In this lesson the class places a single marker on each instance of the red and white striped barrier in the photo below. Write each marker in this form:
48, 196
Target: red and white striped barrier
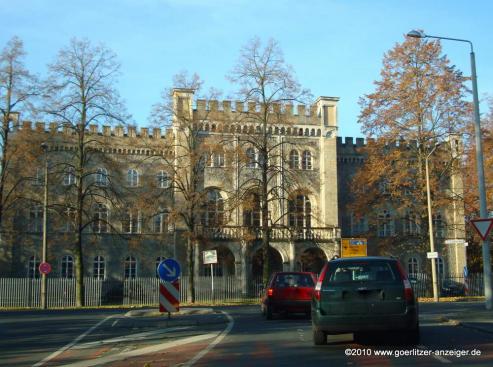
169, 296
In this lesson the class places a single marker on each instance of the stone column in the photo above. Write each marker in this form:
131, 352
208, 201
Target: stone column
242, 266
292, 256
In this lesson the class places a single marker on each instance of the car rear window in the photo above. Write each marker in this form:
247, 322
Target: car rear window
293, 280
362, 271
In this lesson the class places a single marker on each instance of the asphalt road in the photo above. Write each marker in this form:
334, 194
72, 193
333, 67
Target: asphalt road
233, 336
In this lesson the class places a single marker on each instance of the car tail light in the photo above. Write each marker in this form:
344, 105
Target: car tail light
270, 292
408, 290
318, 286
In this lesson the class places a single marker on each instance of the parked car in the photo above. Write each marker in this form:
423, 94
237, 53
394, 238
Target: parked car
362, 295
452, 288
288, 292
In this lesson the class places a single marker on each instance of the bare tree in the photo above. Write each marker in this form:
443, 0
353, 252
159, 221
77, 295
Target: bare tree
80, 92
185, 158
18, 87
269, 86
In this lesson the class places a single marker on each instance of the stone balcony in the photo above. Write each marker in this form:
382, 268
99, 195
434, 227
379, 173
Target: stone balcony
318, 234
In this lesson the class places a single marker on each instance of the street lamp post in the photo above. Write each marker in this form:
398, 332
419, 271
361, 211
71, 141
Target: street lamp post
430, 227
483, 209
45, 217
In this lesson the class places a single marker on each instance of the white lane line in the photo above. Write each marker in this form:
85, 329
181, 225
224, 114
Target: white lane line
71, 344
131, 337
114, 323
220, 337
138, 352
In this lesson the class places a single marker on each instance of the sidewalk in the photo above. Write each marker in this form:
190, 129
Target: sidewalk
471, 315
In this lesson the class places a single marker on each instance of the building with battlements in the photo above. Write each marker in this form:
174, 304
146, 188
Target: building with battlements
130, 232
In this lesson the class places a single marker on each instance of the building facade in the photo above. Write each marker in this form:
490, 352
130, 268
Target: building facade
131, 222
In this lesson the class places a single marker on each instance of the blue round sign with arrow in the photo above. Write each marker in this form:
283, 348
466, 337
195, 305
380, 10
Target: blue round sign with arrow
169, 270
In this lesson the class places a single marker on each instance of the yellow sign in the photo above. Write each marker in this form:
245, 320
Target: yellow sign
352, 247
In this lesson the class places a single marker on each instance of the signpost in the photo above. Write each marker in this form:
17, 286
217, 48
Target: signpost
169, 290
353, 247
210, 257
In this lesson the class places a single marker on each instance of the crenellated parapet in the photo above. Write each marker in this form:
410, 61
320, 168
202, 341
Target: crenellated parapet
128, 140
246, 117
93, 129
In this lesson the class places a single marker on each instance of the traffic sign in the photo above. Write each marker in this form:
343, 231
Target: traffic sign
353, 247
210, 257
482, 226
169, 270
45, 268
432, 255
455, 241
169, 296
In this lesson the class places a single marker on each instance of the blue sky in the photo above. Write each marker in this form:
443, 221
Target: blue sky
335, 46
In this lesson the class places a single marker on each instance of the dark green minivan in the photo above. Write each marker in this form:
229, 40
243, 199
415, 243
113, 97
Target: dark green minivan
364, 294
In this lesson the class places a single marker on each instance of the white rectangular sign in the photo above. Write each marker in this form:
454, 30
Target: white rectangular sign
432, 255
455, 241
210, 257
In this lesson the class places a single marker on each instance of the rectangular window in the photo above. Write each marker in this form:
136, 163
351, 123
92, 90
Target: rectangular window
38, 177
131, 222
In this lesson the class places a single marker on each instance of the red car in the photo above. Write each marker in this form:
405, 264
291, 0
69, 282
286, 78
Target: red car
288, 292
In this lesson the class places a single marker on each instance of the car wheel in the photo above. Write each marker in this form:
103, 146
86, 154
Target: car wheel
268, 312
319, 337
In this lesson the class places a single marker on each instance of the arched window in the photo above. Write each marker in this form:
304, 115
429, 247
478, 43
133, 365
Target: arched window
385, 224
130, 267
412, 266
35, 218
214, 211
294, 159
69, 176
102, 177
131, 221
67, 269
251, 211
163, 180
299, 212
100, 219
158, 261
438, 226
99, 267
251, 161
132, 178
306, 162
32, 267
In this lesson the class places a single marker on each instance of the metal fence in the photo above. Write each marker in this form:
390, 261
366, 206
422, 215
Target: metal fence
25, 292
449, 286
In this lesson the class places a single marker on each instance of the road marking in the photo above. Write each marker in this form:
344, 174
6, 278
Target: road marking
138, 352
220, 337
131, 337
72, 343
114, 323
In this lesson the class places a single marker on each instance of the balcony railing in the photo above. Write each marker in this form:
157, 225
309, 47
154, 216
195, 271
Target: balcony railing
276, 233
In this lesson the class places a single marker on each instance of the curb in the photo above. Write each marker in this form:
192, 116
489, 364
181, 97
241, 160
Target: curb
156, 313
466, 325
